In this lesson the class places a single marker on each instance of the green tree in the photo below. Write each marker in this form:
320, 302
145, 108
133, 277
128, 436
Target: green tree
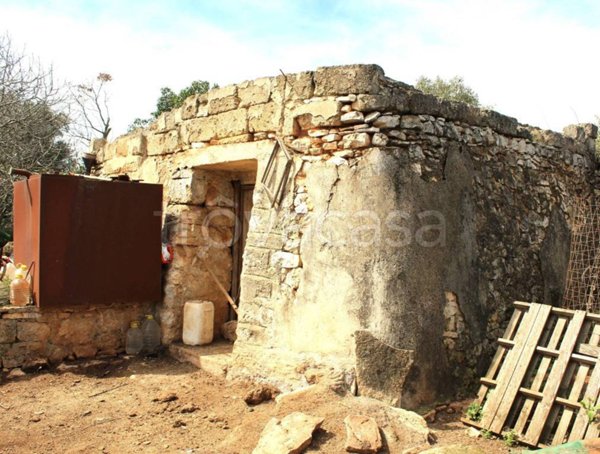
32, 126
452, 89
169, 100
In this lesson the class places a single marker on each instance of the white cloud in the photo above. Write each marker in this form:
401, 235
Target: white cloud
527, 61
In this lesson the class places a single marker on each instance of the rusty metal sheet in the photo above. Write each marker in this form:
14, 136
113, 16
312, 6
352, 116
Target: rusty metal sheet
99, 242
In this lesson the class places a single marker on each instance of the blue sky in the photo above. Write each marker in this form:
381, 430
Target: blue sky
536, 60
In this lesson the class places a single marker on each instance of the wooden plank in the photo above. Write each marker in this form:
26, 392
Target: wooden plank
534, 431
497, 359
590, 350
581, 421
517, 364
561, 322
570, 403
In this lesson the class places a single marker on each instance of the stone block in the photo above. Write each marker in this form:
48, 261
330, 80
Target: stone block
256, 287
225, 104
343, 80
200, 129
23, 354
256, 261
33, 331
255, 92
285, 259
356, 140
387, 121
290, 435
371, 103
164, 143
233, 123
189, 109
8, 331
316, 114
381, 370
190, 189
264, 117
299, 86
362, 435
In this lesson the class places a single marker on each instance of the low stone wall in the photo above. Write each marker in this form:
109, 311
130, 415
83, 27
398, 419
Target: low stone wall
407, 227
31, 337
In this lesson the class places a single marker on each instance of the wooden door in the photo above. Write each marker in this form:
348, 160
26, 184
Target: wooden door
243, 208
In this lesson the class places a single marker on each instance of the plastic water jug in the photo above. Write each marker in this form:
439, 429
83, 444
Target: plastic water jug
19, 287
134, 342
151, 333
198, 322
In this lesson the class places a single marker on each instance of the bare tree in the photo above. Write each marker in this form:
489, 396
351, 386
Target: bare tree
91, 116
32, 123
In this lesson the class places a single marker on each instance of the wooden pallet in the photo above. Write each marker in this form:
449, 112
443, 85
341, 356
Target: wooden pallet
547, 362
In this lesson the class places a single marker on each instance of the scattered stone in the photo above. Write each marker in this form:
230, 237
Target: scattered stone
352, 117
290, 435
472, 432
189, 408
164, 398
362, 435
35, 419
261, 393
430, 416
229, 329
86, 413
179, 423
16, 373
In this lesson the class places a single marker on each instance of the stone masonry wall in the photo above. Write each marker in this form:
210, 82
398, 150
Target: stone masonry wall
30, 337
407, 228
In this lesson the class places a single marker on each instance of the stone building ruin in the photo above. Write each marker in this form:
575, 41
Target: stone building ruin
368, 231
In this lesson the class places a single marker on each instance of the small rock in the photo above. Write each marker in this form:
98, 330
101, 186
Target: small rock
372, 117
347, 98
189, 408
362, 435
430, 416
260, 393
379, 139
473, 432
331, 138
387, 121
302, 144
352, 117
179, 423
35, 419
16, 373
356, 140
86, 413
229, 329
164, 398
290, 435
318, 132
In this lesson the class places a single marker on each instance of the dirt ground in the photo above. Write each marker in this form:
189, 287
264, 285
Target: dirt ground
123, 405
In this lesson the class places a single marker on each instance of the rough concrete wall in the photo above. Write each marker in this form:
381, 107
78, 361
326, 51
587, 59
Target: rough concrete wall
31, 337
408, 226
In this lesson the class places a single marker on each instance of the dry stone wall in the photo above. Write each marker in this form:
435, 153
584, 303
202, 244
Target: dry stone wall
30, 337
407, 227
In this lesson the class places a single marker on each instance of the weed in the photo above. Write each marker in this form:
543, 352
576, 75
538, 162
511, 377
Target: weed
591, 410
474, 411
510, 438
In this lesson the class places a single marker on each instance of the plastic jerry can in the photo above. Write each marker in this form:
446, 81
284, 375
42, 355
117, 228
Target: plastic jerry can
151, 333
19, 287
134, 342
198, 322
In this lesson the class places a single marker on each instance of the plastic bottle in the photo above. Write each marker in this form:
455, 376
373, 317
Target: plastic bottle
134, 342
151, 332
198, 322
19, 287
